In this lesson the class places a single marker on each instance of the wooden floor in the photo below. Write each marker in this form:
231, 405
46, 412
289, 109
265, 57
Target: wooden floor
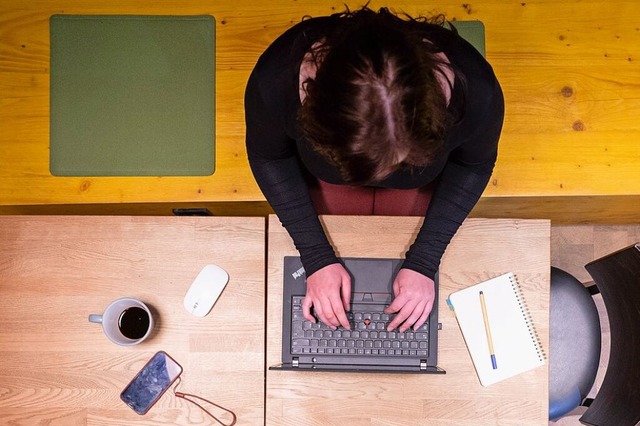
571, 248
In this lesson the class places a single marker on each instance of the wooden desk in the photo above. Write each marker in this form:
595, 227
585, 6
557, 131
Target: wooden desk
482, 249
569, 71
57, 368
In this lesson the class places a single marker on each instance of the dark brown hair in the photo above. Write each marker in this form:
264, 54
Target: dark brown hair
375, 103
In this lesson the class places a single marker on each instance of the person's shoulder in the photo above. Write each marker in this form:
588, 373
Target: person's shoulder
477, 77
274, 79
299, 36
283, 56
460, 51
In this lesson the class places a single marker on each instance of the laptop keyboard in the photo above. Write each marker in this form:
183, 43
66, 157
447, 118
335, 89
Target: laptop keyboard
368, 335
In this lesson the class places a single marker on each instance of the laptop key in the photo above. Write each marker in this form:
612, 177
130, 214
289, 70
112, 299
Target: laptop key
367, 336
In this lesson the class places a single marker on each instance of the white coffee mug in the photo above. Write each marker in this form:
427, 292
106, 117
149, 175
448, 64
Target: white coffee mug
126, 321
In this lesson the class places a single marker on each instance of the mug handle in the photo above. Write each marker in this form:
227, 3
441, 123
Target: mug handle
95, 318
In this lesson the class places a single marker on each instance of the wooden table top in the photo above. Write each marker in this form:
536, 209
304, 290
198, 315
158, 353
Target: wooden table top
569, 72
483, 248
57, 368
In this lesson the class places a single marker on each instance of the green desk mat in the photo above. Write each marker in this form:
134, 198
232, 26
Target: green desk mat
132, 95
471, 31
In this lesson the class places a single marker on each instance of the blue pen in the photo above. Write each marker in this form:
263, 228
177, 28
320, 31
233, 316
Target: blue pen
488, 330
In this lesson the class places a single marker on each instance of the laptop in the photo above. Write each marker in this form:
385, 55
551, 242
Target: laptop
368, 346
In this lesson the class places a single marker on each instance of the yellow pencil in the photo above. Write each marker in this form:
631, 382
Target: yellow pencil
488, 330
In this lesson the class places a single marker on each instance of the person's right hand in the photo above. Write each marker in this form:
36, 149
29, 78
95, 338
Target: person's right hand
329, 292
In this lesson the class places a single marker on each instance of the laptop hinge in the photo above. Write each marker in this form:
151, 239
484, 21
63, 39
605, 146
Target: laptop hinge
423, 364
295, 362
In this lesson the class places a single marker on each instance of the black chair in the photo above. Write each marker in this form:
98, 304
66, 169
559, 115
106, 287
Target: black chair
574, 336
617, 402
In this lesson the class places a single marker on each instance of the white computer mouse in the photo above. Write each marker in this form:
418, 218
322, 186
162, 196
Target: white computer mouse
205, 290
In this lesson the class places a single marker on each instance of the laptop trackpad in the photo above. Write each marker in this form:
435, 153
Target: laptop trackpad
372, 280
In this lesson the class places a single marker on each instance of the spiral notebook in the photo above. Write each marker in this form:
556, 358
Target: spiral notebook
516, 347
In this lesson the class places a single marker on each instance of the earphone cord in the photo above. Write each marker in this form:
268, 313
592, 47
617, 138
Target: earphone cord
186, 397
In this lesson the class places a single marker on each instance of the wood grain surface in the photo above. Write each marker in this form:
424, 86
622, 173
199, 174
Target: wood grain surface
57, 368
568, 70
483, 248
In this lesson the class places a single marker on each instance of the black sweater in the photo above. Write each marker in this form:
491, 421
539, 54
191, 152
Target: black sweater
279, 154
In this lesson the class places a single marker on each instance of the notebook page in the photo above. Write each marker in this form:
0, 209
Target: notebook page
515, 344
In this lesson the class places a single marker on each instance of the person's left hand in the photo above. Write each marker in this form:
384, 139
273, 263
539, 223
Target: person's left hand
414, 296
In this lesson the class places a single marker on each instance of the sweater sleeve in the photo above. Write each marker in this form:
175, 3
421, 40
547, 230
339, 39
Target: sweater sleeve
279, 175
460, 186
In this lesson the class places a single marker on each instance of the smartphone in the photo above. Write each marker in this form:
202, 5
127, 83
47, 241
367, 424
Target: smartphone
151, 382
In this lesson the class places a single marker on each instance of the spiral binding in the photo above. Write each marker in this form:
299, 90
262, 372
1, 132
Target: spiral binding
527, 317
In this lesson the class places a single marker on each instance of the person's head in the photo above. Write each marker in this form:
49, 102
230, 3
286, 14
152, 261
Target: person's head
375, 104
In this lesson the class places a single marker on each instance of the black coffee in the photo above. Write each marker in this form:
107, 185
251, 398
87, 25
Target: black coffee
134, 322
